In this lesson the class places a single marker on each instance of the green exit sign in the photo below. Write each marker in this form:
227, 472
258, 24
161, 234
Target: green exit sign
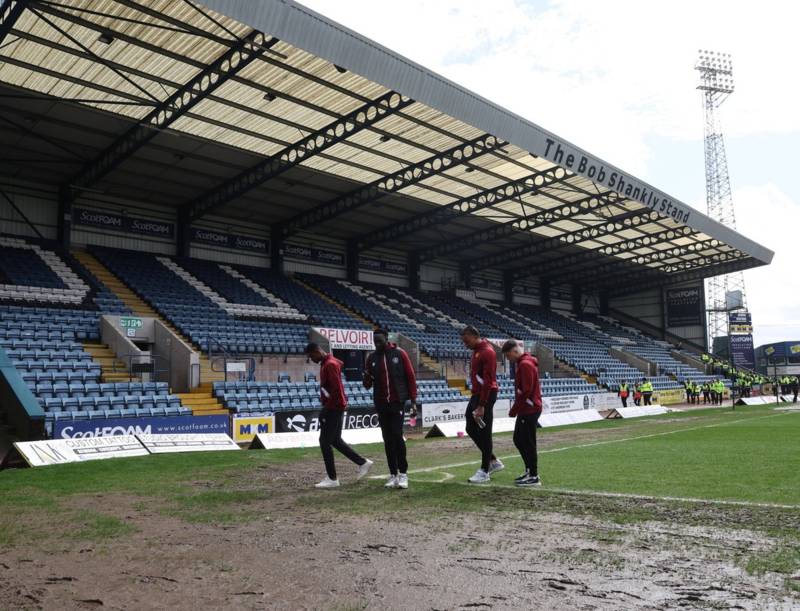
127, 322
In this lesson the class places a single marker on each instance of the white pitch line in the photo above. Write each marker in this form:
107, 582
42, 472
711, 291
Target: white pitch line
626, 495
598, 443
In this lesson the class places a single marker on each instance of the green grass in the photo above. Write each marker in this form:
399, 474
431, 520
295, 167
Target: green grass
748, 455
98, 527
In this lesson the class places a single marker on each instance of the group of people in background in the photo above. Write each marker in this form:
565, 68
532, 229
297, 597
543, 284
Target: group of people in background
640, 392
389, 373
711, 393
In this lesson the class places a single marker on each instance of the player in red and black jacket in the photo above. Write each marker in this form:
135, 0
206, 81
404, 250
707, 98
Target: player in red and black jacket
334, 403
479, 415
389, 373
527, 408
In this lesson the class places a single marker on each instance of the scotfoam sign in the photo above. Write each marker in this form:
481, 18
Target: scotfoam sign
109, 427
63, 451
117, 222
347, 339
228, 240
627, 186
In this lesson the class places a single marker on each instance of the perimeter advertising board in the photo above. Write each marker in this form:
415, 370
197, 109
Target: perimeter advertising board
107, 427
300, 421
245, 428
62, 451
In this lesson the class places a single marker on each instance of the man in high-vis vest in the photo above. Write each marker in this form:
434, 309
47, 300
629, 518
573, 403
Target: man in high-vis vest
706, 392
647, 391
719, 391
623, 393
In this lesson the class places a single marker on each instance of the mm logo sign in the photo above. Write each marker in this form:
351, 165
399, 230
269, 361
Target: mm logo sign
245, 429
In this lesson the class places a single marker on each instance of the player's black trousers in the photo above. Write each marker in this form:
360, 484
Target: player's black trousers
391, 421
482, 436
330, 436
525, 440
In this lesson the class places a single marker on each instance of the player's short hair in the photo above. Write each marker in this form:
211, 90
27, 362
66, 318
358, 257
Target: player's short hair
470, 330
383, 332
311, 347
510, 345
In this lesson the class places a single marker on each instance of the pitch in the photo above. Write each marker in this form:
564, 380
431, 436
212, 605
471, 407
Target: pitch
697, 509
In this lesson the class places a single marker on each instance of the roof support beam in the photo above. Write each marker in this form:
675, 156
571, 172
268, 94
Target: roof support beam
338, 131
599, 275
629, 220
578, 260
465, 206
540, 219
10, 11
686, 274
674, 268
175, 106
409, 175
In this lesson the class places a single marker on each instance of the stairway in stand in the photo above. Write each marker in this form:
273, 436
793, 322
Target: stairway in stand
140, 308
202, 402
113, 369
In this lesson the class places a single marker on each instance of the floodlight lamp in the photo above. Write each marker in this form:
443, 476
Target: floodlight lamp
105, 38
269, 96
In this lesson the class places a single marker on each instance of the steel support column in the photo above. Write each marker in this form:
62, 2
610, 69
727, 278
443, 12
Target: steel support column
64, 221
508, 288
414, 270
276, 248
352, 260
465, 275
544, 293
577, 306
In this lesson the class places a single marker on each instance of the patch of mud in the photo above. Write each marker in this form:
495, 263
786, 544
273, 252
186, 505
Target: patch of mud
305, 556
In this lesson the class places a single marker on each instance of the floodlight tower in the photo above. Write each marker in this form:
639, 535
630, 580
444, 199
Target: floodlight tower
716, 84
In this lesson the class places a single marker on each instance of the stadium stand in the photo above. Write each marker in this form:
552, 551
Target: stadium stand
197, 312
46, 342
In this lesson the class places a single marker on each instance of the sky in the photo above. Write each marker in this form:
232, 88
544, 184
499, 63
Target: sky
616, 78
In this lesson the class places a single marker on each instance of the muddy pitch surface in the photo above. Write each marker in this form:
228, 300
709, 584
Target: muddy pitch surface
301, 549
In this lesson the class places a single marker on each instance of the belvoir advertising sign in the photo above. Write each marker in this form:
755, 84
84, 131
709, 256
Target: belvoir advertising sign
684, 306
347, 339
122, 223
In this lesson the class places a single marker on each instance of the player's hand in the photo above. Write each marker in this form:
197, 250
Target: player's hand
479, 411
